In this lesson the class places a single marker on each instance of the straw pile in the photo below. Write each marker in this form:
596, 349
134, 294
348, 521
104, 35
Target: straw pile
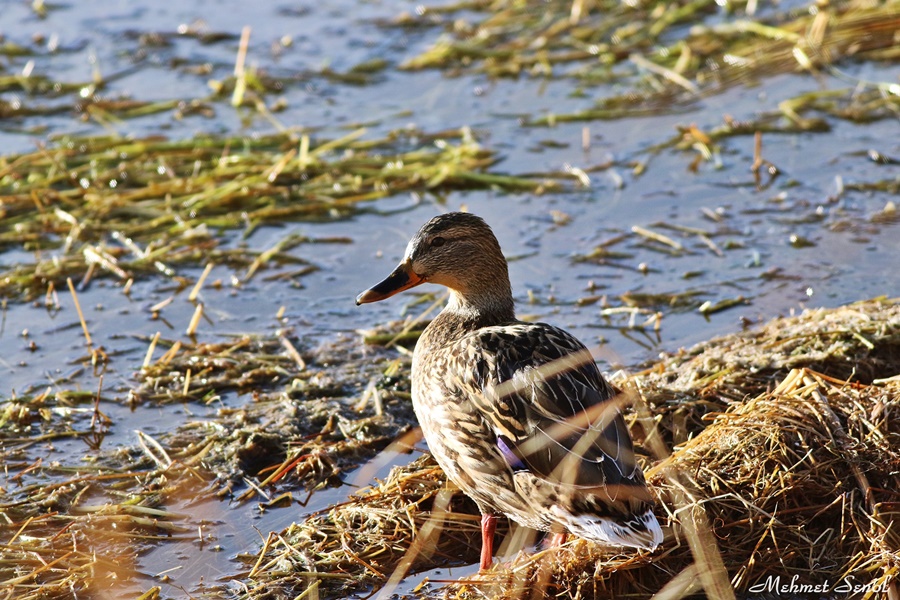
795, 480
408, 523
860, 342
802, 480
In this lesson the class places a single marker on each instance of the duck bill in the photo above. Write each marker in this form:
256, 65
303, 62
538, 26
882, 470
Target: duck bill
401, 279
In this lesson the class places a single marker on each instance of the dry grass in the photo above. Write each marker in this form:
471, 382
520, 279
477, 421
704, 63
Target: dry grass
860, 342
409, 522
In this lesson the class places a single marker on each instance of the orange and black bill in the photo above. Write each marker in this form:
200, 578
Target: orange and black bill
402, 278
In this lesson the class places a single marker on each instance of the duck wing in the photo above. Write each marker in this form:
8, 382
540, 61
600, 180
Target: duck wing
552, 412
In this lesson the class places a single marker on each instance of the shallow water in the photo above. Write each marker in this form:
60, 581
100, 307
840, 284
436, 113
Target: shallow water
851, 256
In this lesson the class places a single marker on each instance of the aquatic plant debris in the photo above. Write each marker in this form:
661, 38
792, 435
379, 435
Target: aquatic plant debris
82, 526
660, 67
646, 43
99, 206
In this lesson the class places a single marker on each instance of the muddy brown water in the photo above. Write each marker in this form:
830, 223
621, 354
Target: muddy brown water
850, 257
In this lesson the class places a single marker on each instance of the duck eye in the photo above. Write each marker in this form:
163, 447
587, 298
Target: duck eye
438, 242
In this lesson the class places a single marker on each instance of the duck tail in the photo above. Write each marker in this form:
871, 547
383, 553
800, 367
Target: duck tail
640, 530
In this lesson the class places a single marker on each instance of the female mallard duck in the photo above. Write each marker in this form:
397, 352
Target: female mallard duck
516, 414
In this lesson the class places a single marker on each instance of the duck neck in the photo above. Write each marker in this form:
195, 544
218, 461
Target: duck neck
491, 308
461, 317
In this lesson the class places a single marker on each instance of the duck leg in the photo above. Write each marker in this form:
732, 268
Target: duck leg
488, 527
558, 539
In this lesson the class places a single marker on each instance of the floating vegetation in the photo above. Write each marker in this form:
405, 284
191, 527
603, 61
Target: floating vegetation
128, 208
795, 474
314, 412
69, 528
685, 241
91, 547
51, 415
798, 114
202, 371
76, 528
540, 39
662, 68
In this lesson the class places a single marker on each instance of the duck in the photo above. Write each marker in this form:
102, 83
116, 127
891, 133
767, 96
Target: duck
517, 414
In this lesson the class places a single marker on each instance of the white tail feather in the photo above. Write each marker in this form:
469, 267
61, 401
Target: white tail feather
639, 531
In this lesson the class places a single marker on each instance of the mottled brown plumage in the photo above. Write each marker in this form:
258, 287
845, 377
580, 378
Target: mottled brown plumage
517, 414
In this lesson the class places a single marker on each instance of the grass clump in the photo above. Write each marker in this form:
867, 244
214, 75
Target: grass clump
404, 524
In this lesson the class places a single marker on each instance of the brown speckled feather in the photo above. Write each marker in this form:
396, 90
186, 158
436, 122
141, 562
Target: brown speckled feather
537, 409
535, 384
